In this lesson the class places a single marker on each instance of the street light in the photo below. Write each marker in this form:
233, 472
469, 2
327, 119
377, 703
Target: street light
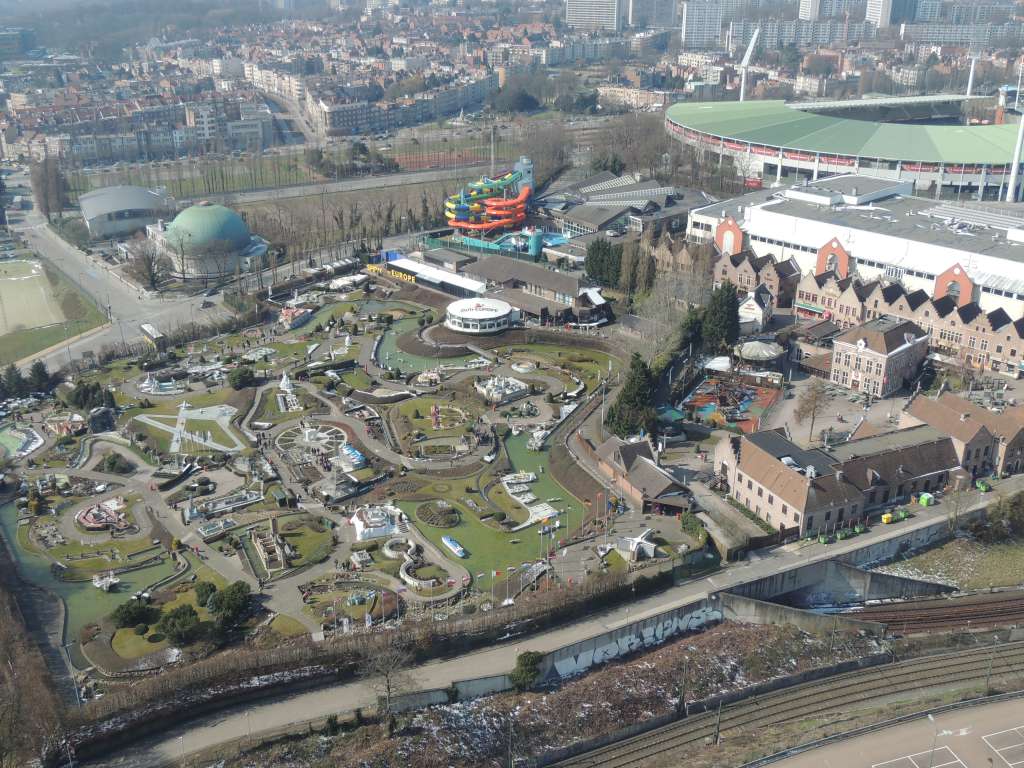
935, 739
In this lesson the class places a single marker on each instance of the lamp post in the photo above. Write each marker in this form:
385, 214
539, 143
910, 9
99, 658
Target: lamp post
935, 739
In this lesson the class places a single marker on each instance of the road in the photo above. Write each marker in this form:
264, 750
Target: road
990, 735
233, 723
126, 306
354, 185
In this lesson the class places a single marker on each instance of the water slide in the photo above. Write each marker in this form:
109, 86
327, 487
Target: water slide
485, 204
498, 213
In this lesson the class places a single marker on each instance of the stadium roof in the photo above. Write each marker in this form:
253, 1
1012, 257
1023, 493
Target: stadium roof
775, 124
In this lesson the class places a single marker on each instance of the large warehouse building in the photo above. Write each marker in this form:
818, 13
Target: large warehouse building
874, 228
779, 142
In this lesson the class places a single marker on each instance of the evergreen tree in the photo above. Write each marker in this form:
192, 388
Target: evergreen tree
721, 326
691, 331
634, 409
14, 383
39, 377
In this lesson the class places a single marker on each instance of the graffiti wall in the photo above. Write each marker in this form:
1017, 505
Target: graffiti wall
576, 659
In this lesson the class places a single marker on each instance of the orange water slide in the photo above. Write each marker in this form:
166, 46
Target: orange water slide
499, 213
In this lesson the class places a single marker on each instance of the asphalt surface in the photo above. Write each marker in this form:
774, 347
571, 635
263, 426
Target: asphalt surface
985, 736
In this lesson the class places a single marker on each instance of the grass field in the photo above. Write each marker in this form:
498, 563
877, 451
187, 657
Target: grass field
39, 306
967, 563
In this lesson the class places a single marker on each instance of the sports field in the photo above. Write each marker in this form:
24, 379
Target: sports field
27, 299
39, 307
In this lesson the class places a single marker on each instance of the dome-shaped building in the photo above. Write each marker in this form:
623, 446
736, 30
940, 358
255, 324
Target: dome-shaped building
209, 240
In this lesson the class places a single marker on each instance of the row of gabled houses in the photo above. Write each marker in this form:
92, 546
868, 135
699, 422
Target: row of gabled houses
958, 327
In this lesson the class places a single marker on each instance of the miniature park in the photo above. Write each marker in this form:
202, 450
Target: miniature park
349, 483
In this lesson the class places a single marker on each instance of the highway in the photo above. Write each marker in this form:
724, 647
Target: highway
230, 724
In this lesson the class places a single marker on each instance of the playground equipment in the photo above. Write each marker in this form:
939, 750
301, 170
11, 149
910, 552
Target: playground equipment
490, 204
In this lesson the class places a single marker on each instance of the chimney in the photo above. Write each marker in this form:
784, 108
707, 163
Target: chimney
839, 476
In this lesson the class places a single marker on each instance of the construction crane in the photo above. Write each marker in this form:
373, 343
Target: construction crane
745, 62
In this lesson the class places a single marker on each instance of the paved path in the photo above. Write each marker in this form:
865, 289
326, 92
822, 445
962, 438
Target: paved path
234, 723
985, 736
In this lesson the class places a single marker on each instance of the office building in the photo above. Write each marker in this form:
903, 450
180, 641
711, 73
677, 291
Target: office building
812, 10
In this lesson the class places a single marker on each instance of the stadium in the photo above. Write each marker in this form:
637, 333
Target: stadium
780, 142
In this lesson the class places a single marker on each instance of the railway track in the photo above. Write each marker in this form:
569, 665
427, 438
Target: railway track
814, 698
983, 610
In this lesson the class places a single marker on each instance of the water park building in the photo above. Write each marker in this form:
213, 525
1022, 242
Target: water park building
479, 316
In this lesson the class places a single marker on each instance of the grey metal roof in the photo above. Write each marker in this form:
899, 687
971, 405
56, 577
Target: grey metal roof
100, 202
887, 441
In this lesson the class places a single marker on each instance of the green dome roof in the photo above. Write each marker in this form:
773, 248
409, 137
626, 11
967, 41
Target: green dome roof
205, 227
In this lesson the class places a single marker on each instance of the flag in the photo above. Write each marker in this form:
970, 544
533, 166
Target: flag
494, 574
481, 575
369, 619
402, 589
511, 569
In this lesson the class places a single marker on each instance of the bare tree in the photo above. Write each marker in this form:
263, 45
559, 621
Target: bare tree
387, 669
148, 264
811, 403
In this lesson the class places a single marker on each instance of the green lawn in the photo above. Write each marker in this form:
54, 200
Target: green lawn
81, 315
268, 411
487, 549
129, 645
356, 378
286, 626
311, 545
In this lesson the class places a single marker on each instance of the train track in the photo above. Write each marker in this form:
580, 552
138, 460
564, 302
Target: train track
934, 614
810, 699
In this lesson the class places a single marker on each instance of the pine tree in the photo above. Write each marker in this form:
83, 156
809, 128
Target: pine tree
39, 377
721, 326
633, 410
13, 381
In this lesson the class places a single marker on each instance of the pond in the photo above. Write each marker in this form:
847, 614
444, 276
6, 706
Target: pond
390, 356
83, 602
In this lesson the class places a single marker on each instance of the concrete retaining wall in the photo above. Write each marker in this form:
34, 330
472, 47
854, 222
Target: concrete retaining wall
745, 609
482, 686
896, 547
575, 659
829, 582
417, 699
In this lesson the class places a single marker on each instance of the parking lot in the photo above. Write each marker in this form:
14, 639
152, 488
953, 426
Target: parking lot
987, 736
